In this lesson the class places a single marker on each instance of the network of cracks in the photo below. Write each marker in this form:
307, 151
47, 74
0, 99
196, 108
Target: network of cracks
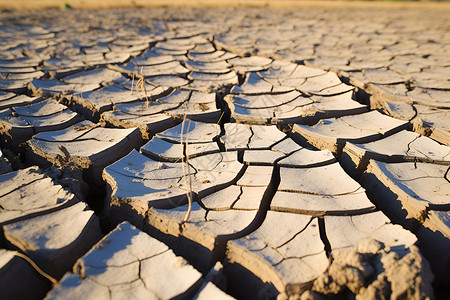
173, 163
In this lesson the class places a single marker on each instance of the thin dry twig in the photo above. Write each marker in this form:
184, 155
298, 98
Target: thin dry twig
141, 84
218, 121
185, 159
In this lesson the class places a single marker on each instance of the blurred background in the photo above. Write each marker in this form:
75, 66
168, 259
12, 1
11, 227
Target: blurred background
32, 4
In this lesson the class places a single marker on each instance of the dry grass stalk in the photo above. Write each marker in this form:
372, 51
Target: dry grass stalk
140, 84
188, 180
218, 121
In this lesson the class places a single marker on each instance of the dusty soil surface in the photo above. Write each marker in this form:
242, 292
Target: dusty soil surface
95, 4
208, 153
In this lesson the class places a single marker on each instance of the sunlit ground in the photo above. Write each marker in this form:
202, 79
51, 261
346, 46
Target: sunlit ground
21, 4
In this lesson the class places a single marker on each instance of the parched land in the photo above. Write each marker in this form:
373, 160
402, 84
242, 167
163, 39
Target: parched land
96, 4
216, 153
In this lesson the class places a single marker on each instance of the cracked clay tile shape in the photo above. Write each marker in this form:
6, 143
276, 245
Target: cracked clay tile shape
362, 128
128, 262
28, 193
56, 239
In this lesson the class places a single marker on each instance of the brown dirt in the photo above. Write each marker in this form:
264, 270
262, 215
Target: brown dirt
95, 4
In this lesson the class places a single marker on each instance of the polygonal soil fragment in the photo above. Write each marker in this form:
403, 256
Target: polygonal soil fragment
24, 121
209, 67
198, 107
290, 257
18, 82
385, 92
17, 100
425, 81
267, 109
149, 58
97, 76
418, 186
320, 205
286, 73
400, 147
167, 68
104, 99
254, 84
55, 240
399, 110
434, 120
180, 45
50, 87
290, 107
60, 67
417, 196
432, 98
129, 263
216, 56
251, 137
155, 116
303, 157
250, 64
86, 145
363, 128
425, 108
168, 81
335, 194
327, 84
334, 181
29, 193
268, 100
202, 81
382, 76
195, 139
348, 231
6, 95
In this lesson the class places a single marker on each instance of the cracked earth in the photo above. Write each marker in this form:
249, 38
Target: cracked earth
220, 153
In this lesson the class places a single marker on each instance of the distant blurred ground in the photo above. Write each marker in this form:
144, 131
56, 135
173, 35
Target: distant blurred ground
33, 4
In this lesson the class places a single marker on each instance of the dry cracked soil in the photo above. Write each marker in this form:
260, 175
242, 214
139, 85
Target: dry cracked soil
189, 153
